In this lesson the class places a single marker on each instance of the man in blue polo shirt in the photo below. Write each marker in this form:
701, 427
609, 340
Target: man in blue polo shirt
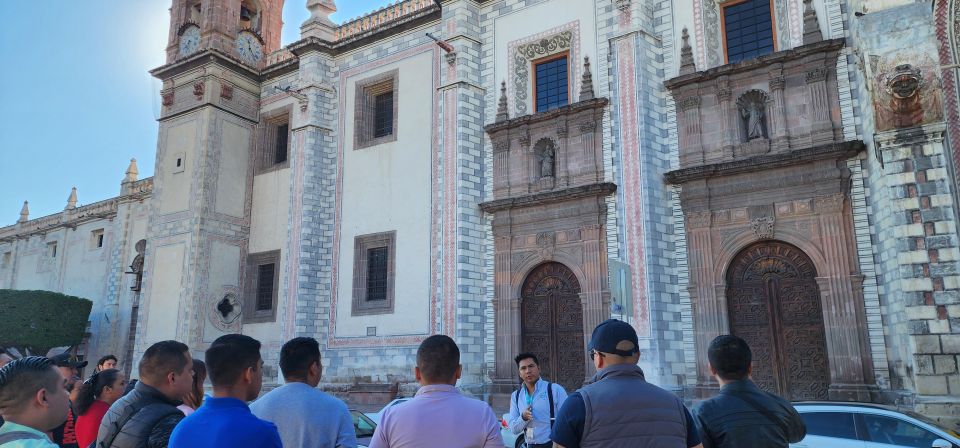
236, 371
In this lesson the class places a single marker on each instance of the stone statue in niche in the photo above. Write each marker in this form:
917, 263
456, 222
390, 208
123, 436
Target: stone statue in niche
752, 105
547, 158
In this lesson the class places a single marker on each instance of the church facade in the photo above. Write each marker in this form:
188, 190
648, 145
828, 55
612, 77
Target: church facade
511, 173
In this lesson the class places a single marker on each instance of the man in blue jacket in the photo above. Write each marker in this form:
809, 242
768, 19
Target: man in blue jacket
224, 421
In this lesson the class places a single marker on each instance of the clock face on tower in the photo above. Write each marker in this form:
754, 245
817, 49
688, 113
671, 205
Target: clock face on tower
189, 40
249, 47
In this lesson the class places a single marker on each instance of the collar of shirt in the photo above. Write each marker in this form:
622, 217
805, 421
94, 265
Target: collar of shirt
537, 387
9, 426
224, 402
739, 385
436, 389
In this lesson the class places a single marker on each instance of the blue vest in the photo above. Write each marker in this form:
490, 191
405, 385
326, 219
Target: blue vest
624, 410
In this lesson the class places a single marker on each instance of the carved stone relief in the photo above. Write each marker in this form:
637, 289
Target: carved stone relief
907, 90
763, 227
564, 38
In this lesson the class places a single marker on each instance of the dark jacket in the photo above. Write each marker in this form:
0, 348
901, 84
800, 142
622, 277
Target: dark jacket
727, 420
623, 410
144, 418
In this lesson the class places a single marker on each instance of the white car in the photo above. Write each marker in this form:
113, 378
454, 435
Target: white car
510, 440
859, 425
375, 416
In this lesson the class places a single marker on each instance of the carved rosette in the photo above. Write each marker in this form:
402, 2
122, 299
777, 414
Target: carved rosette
763, 227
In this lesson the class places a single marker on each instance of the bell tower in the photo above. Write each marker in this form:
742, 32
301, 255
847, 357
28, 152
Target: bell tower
199, 225
247, 30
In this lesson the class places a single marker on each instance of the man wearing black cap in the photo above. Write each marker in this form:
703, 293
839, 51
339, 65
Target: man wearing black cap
618, 408
65, 435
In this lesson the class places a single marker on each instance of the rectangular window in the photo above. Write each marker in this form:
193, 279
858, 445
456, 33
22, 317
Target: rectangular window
52, 249
261, 287
265, 274
373, 273
384, 121
551, 83
96, 239
281, 146
375, 113
748, 30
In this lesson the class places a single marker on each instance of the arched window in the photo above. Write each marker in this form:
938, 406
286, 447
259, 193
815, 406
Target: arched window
250, 16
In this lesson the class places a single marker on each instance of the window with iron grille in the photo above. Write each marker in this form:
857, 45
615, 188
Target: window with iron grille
552, 83
373, 273
748, 30
261, 287
375, 116
281, 146
384, 118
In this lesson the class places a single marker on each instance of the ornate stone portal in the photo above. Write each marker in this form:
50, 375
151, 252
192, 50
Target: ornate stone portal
549, 210
770, 241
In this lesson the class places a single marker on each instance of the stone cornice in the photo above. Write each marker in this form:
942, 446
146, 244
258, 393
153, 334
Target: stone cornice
204, 57
841, 150
570, 109
550, 197
824, 46
70, 219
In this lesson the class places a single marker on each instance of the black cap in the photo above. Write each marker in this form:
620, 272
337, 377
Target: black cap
615, 336
67, 360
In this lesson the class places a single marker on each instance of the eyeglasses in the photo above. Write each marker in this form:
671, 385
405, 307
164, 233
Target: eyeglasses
594, 352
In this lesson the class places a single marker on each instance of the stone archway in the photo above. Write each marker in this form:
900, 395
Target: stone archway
774, 303
551, 323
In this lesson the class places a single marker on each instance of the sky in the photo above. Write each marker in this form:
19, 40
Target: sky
77, 101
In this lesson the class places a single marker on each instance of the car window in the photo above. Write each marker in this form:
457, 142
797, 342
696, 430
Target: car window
363, 426
830, 424
893, 431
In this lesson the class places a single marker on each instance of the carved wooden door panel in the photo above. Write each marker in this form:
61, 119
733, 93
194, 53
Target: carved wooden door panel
774, 304
552, 324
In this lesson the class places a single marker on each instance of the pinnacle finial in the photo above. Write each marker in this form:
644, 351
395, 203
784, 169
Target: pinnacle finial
586, 83
502, 113
24, 212
72, 200
687, 65
811, 26
132, 172
319, 23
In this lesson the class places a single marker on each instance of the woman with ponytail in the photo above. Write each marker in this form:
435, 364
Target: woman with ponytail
96, 395
193, 400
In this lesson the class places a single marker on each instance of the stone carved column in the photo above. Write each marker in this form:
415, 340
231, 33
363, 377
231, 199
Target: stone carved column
841, 321
529, 169
506, 311
501, 167
562, 156
779, 133
592, 152
691, 146
729, 120
594, 296
821, 126
709, 314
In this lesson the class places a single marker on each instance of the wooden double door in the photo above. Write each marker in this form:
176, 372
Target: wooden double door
551, 317
774, 304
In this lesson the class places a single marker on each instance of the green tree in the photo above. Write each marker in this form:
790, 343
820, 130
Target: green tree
40, 320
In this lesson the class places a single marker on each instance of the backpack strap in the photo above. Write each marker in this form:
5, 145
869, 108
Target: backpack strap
13, 436
550, 395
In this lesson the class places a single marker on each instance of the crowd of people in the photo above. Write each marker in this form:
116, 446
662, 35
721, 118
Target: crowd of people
43, 406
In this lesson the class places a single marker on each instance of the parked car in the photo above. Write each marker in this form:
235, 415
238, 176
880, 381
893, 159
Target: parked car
860, 425
375, 416
364, 427
510, 440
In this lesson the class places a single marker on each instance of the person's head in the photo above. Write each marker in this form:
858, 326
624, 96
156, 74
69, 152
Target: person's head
235, 367
105, 385
300, 361
730, 358
70, 367
614, 342
107, 362
438, 361
529, 367
33, 392
167, 367
195, 398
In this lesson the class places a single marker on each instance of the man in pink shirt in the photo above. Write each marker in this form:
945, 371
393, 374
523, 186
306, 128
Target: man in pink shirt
438, 415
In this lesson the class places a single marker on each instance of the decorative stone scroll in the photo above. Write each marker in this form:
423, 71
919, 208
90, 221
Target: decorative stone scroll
763, 227
557, 40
